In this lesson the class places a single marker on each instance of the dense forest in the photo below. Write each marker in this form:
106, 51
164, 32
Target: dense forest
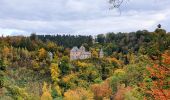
135, 66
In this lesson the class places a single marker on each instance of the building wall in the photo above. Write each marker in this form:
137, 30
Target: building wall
82, 54
79, 55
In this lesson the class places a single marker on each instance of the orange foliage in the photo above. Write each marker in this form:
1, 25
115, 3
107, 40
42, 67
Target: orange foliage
5, 51
69, 77
121, 92
166, 57
101, 90
46, 93
42, 53
159, 75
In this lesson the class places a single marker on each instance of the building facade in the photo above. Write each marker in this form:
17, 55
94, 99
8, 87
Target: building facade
101, 54
81, 53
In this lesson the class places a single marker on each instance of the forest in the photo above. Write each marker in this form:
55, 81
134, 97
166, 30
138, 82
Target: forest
135, 66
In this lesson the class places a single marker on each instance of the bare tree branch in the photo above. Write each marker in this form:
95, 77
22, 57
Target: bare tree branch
116, 3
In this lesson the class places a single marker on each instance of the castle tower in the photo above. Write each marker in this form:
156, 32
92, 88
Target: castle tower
74, 53
82, 49
101, 54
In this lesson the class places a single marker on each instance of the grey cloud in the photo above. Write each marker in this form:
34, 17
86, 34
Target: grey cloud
80, 16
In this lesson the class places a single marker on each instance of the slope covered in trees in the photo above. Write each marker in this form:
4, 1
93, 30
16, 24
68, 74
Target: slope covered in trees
135, 67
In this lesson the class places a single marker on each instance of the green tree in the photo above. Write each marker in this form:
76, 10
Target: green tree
64, 65
101, 38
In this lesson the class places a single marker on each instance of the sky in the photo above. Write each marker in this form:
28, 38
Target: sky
81, 17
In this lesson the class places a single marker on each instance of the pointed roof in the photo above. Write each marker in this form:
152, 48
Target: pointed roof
74, 49
101, 50
82, 48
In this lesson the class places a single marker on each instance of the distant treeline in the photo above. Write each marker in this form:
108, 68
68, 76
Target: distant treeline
133, 41
67, 41
110, 42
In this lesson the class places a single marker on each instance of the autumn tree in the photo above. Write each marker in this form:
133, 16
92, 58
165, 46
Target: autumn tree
51, 46
42, 53
2, 72
94, 53
46, 93
157, 83
78, 94
102, 90
5, 52
55, 72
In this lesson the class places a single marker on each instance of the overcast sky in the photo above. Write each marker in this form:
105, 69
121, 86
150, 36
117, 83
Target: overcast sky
85, 17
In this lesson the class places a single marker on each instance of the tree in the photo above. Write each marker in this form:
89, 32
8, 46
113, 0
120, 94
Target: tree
33, 36
42, 53
5, 51
101, 38
70, 81
46, 93
64, 65
121, 91
116, 3
160, 37
55, 72
102, 90
157, 83
51, 46
78, 94
94, 52
2, 71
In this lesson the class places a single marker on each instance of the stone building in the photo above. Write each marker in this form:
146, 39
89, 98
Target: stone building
101, 54
81, 53
50, 54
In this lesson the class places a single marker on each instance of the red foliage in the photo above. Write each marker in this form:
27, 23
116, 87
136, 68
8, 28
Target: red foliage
121, 92
159, 74
101, 90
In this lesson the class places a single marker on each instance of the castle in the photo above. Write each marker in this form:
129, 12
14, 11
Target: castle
81, 53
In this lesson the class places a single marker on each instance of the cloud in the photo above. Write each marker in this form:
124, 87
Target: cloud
87, 17
12, 32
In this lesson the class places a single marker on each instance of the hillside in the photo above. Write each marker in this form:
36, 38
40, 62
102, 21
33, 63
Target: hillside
135, 66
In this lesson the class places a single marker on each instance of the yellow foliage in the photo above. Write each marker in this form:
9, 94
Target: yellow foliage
5, 51
46, 93
83, 64
94, 53
51, 45
78, 94
55, 72
119, 71
114, 60
69, 77
35, 64
42, 53
58, 89
46, 96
